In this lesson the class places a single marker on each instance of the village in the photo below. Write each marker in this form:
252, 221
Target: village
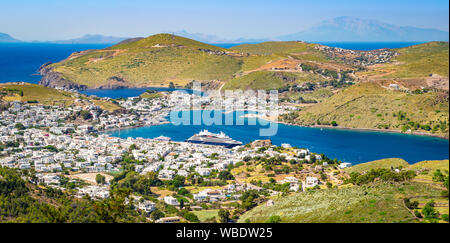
71, 153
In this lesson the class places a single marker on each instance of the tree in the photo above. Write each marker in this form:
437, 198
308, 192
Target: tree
132, 147
334, 123
438, 176
224, 215
100, 179
446, 182
274, 219
226, 175
428, 211
86, 115
178, 181
156, 214
51, 148
183, 191
248, 199
191, 217
411, 205
181, 204
19, 126
113, 209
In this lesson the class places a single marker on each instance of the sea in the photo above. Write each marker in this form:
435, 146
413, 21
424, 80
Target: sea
20, 61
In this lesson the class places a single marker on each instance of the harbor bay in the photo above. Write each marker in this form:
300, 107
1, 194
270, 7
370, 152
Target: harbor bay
346, 145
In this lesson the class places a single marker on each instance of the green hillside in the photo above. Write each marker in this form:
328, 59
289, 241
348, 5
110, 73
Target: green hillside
267, 80
422, 60
153, 61
369, 105
376, 202
163, 58
47, 96
400, 163
378, 164
268, 48
165, 39
432, 165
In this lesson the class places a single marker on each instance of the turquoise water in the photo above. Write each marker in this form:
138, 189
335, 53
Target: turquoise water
345, 145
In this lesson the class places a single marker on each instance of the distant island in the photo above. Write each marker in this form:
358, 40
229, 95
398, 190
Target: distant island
350, 29
5, 38
92, 39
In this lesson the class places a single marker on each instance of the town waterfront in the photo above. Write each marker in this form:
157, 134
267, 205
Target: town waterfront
346, 145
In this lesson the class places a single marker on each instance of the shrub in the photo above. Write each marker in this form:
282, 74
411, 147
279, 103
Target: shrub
428, 211
274, 219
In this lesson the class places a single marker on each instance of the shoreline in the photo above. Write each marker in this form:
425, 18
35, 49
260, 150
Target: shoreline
348, 128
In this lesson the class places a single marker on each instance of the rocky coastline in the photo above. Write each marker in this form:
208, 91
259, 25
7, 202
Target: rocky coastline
54, 79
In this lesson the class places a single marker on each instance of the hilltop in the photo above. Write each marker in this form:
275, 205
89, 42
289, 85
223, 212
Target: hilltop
153, 61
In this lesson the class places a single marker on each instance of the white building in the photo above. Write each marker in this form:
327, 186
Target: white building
171, 200
146, 206
310, 182
345, 165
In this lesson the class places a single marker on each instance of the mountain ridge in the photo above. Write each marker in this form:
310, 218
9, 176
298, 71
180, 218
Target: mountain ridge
342, 29
92, 39
5, 38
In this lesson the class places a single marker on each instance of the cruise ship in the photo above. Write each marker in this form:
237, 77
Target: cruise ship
206, 137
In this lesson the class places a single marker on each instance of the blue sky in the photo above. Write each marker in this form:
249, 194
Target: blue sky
63, 19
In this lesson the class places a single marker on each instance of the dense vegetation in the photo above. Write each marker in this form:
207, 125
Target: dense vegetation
21, 201
387, 190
